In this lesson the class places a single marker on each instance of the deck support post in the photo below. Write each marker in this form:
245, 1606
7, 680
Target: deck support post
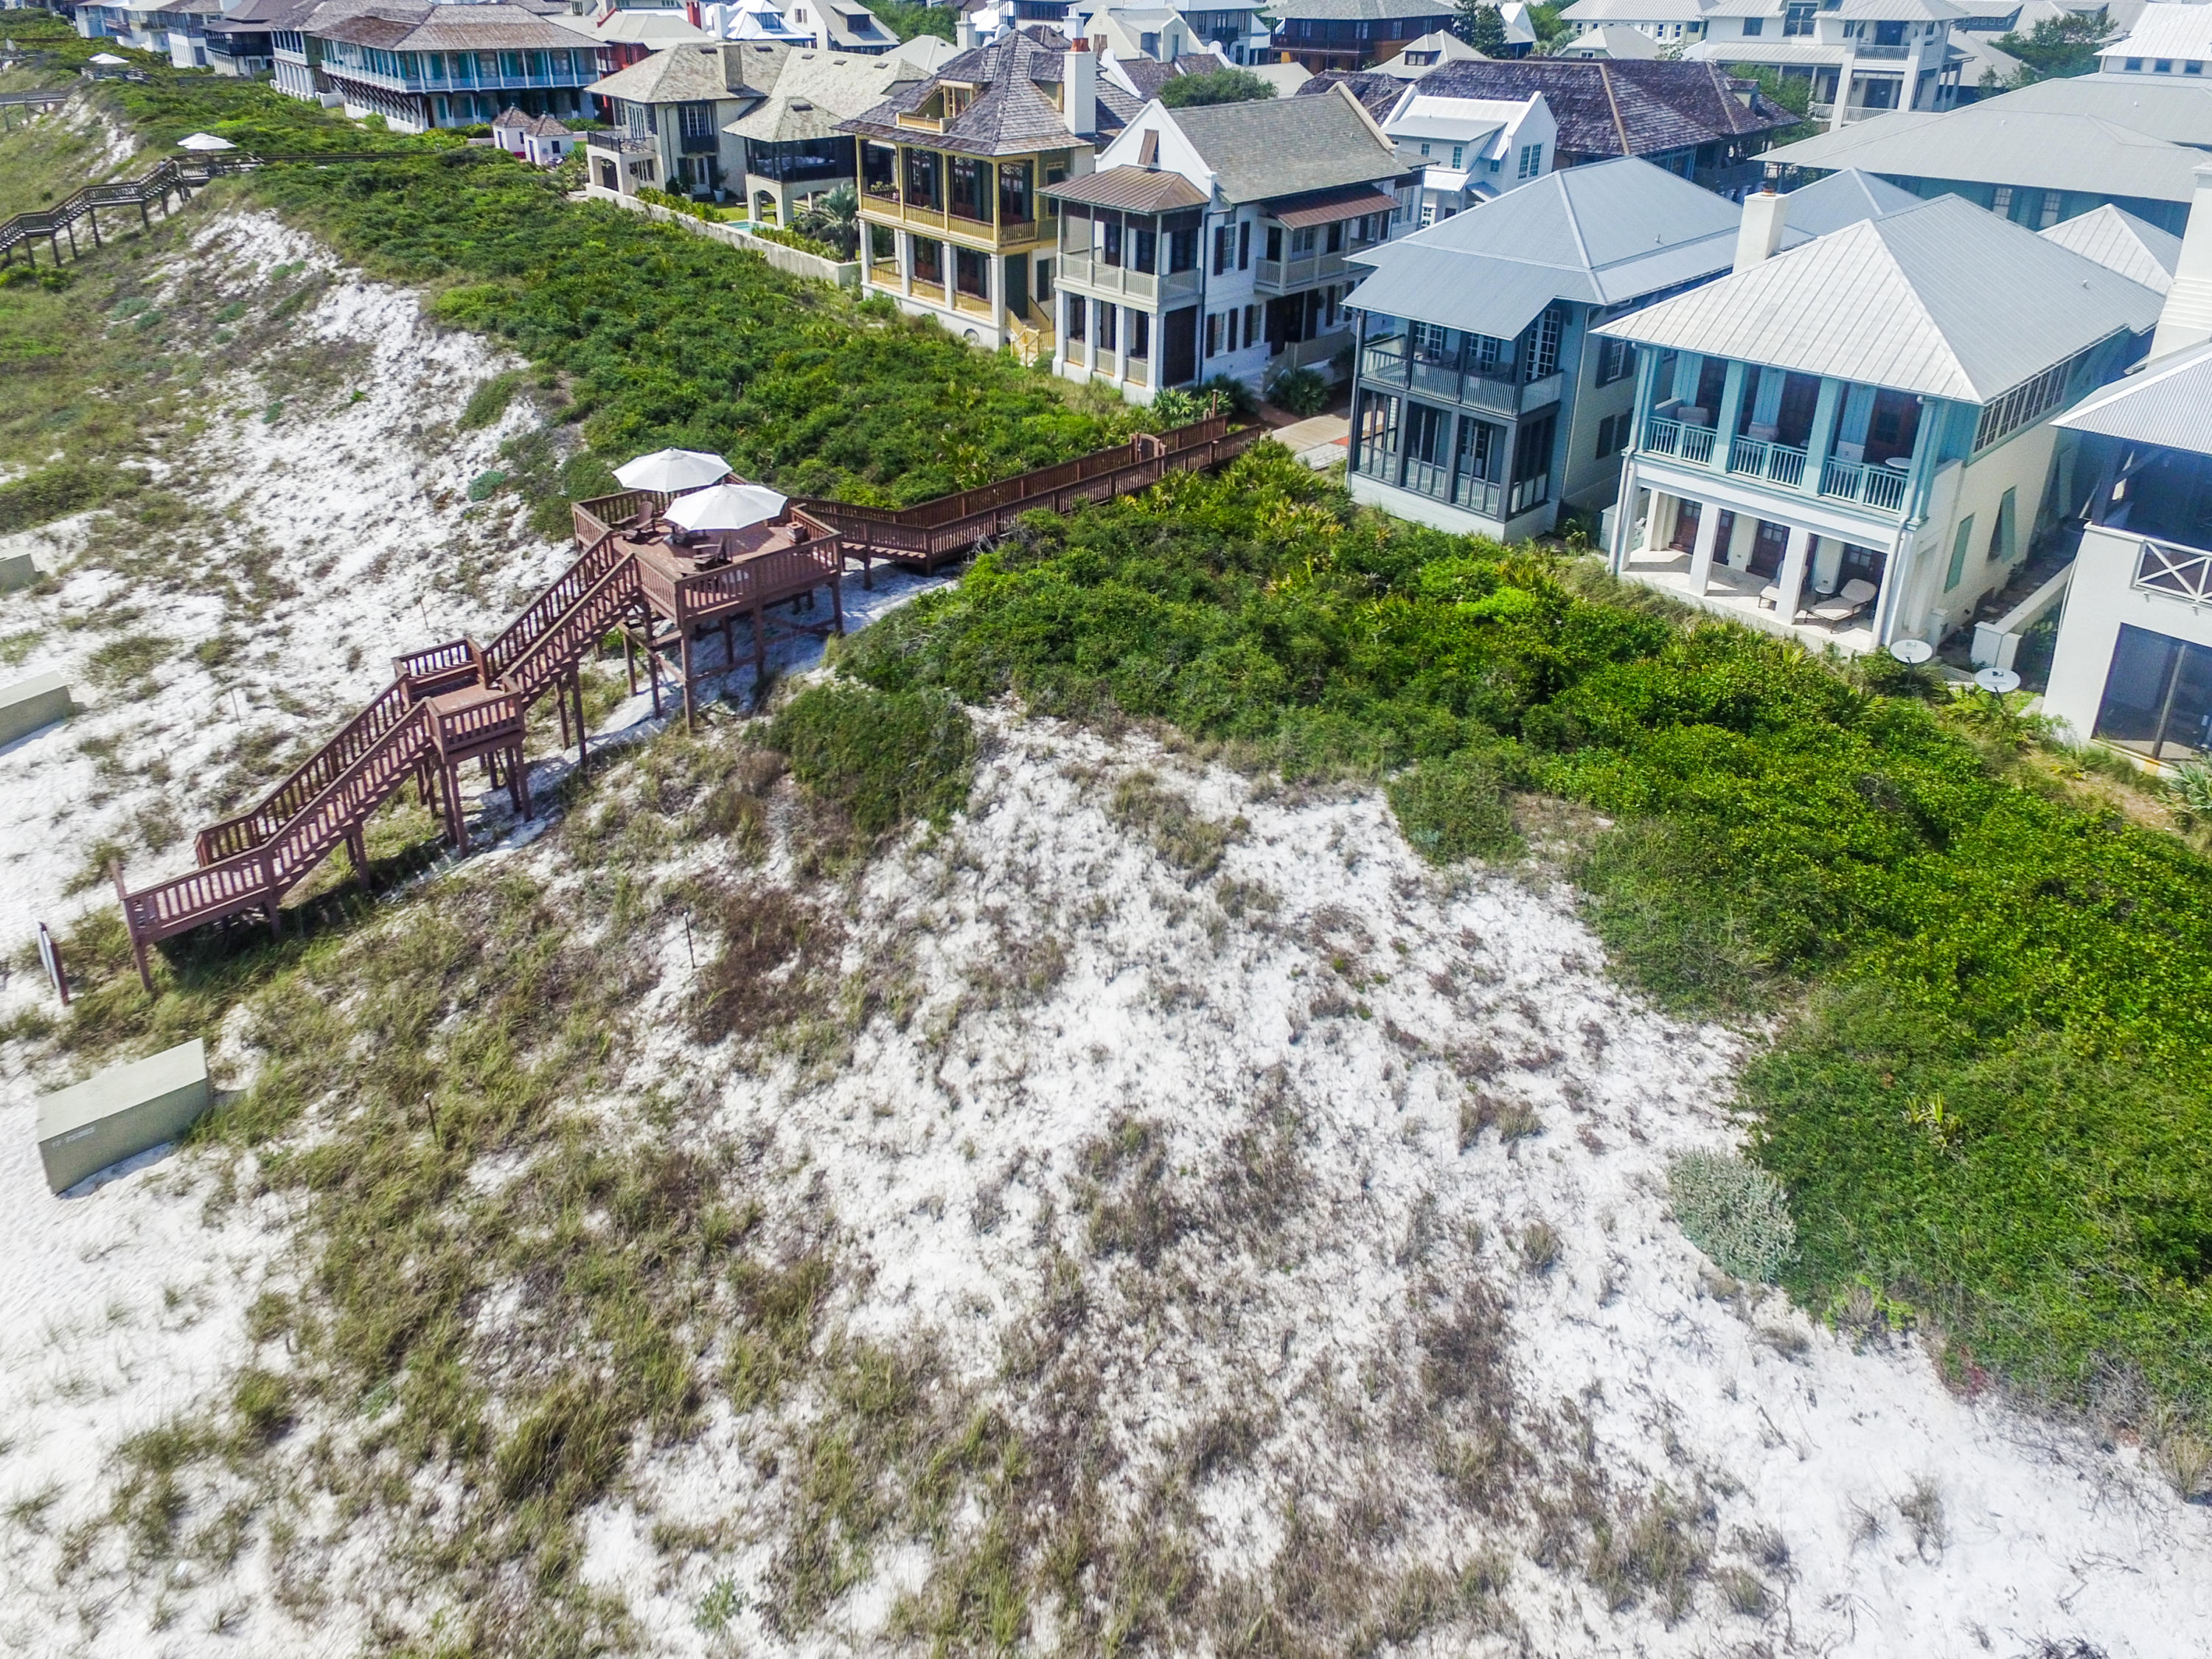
517, 784
837, 598
683, 651
137, 940
356, 845
629, 661
583, 737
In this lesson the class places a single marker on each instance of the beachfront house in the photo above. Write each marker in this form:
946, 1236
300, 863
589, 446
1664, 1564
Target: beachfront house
1482, 403
2133, 665
667, 117
1470, 149
1859, 59
1216, 241
1850, 439
957, 222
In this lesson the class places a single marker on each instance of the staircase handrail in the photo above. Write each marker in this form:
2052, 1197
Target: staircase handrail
351, 797
307, 781
544, 614
555, 648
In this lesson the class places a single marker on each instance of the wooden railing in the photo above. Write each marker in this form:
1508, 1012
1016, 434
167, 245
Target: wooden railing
543, 614
249, 829
553, 650
164, 178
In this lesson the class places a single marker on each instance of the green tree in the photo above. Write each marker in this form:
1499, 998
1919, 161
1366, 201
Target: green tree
1229, 85
1481, 26
833, 218
2058, 47
1553, 30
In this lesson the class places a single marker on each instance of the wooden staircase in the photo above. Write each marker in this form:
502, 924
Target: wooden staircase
445, 706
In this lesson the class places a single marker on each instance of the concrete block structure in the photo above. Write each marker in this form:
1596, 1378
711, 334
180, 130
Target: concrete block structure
30, 704
123, 1112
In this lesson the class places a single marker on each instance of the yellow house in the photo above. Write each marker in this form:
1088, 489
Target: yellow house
956, 224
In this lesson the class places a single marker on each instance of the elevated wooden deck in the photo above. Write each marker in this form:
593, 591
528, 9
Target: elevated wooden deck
460, 701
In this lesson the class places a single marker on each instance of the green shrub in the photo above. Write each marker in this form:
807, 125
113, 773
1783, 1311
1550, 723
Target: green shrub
1226, 86
1300, 392
489, 401
59, 490
885, 757
1455, 807
1734, 1211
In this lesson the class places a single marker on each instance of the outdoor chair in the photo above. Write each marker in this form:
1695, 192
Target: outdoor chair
1840, 608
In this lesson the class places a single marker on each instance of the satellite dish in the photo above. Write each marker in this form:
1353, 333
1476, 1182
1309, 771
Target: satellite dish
1912, 653
1997, 681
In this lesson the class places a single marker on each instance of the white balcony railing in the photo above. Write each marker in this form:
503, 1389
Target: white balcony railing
1881, 488
1778, 462
2178, 572
1685, 442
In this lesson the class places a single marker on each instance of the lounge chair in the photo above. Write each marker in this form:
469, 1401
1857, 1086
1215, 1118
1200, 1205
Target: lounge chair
1840, 608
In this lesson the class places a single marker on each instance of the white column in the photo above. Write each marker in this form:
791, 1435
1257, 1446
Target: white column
1792, 580
994, 284
1121, 343
1623, 526
1701, 560
1843, 74
905, 247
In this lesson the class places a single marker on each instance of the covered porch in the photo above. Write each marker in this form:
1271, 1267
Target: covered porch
1792, 579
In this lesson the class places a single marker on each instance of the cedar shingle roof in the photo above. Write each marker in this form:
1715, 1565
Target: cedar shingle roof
1009, 115
1286, 146
1609, 108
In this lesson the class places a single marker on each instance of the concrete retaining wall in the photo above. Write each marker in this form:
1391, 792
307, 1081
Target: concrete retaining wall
16, 571
123, 1112
27, 705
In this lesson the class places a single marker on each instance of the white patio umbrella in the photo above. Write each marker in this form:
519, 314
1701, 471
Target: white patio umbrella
669, 471
725, 507
107, 57
204, 141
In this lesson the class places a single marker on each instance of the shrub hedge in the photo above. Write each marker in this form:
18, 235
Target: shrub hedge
1991, 1100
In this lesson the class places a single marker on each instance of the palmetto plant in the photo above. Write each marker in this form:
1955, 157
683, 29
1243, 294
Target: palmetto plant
833, 218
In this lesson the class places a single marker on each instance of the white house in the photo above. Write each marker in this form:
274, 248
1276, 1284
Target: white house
1213, 241
1470, 149
2167, 39
2133, 666
1863, 58
754, 19
1850, 440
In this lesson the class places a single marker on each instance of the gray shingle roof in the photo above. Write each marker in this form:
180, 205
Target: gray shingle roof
692, 74
1600, 234
400, 26
1010, 116
1607, 107
2167, 402
1947, 300
1286, 146
816, 90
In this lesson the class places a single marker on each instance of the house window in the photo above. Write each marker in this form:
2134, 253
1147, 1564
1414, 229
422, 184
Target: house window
1613, 433
1182, 242
2134, 66
1213, 336
2004, 533
2158, 696
1458, 151
1616, 360
1078, 309
1014, 194
1798, 19
1244, 246
1221, 247
1752, 27
921, 178
1532, 464
968, 198
1334, 241
1274, 243
1143, 245
1431, 341
2052, 201
1426, 431
1043, 275
2025, 403
929, 261
1301, 243
1141, 334
1104, 315
2001, 201
1543, 346
971, 273
2194, 66
1532, 160
2163, 66
1960, 543
1110, 240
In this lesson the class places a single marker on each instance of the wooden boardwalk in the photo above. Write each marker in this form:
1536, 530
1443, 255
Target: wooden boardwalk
461, 701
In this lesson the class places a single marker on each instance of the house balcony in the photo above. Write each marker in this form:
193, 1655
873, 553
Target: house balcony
1095, 277
1381, 366
1280, 277
971, 233
1881, 489
2174, 572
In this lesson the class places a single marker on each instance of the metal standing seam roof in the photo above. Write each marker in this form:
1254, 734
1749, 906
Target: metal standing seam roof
2119, 241
2168, 403
2167, 31
1287, 146
2171, 107
1600, 234
1131, 190
1843, 198
1947, 300
1634, 11
1328, 207
1990, 144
